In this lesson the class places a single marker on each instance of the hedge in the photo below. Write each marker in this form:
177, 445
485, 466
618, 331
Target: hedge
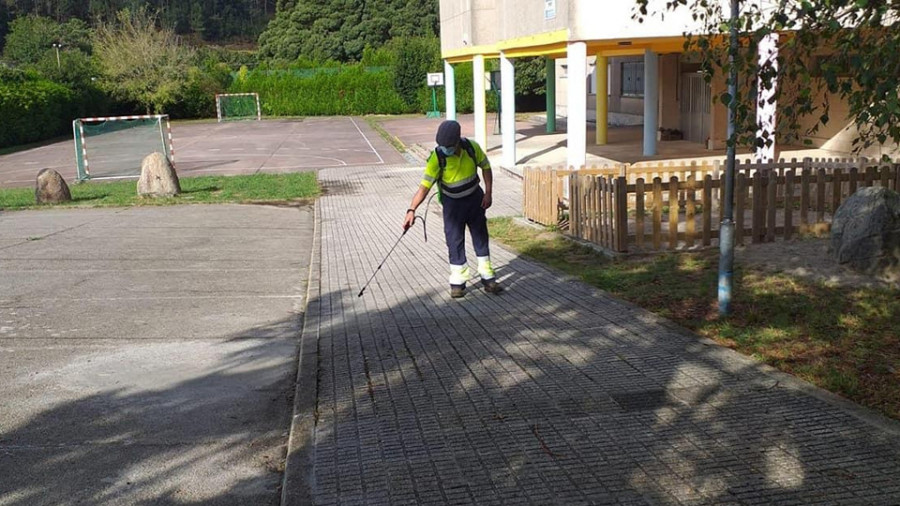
350, 90
34, 110
346, 89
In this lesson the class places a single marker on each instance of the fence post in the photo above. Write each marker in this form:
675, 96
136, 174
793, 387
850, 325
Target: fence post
788, 204
639, 213
673, 212
621, 214
820, 196
690, 207
837, 184
771, 201
758, 213
707, 209
870, 176
657, 212
740, 199
573, 205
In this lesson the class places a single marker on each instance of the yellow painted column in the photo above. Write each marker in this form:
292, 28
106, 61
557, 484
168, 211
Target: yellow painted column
601, 67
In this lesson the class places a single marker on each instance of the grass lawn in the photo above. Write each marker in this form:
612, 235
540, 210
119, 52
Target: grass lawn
255, 188
845, 340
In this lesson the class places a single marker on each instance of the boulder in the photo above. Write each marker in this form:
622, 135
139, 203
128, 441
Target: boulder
158, 178
865, 233
51, 188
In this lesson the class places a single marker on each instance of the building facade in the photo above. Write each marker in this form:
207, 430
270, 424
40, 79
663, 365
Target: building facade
601, 63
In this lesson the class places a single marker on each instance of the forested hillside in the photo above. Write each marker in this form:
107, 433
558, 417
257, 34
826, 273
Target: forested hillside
209, 20
339, 30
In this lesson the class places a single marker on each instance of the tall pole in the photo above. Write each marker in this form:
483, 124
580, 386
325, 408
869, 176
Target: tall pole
726, 228
58, 65
550, 69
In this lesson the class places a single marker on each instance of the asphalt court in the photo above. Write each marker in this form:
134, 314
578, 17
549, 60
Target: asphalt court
148, 355
243, 147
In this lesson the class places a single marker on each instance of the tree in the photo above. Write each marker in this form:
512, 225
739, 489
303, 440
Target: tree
341, 29
416, 57
31, 38
844, 48
531, 76
244, 19
140, 61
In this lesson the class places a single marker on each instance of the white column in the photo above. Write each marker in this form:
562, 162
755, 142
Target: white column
480, 105
765, 105
651, 101
576, 122
508, 110
450, 90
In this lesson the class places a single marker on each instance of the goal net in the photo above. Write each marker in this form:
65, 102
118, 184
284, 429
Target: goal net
114, 147
235, 106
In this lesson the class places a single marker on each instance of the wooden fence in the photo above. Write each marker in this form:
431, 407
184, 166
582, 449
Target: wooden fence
636, 208
543, 191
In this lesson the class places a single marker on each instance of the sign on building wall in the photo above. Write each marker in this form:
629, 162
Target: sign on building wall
549, 9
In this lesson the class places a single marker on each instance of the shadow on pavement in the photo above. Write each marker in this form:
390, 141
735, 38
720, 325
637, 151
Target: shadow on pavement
212, 438
554, 393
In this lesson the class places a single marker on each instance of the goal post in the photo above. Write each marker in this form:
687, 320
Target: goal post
115, 147
236, 106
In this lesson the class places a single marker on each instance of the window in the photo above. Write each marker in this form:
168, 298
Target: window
633, 79
592, 82
838, 65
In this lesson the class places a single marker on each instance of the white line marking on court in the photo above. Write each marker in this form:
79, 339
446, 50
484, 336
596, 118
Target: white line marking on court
328, 158
214, 149
380, 159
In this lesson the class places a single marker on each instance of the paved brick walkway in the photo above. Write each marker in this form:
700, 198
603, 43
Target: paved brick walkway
552, 393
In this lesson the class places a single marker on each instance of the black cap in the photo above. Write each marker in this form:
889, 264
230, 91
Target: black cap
448, 133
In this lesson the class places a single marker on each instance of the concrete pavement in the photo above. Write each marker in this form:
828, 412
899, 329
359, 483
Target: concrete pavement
148, 355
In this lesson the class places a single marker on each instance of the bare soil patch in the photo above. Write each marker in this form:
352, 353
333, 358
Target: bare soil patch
807, 258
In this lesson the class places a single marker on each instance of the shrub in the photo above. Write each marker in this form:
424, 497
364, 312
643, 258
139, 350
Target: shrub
347, 89
33, 110
416, 57
198, 96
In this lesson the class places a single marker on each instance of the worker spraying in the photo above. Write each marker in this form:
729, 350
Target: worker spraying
454, 167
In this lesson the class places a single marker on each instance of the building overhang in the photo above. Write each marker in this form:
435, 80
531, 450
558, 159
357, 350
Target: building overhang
551, 44
555, 44
635, 47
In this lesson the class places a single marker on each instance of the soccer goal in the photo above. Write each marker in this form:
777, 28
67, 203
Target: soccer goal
114, 147
234, 106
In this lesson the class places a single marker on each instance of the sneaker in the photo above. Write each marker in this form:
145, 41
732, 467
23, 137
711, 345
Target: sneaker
457, 291
491, 286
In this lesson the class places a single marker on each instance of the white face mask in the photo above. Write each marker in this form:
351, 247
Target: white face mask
449, 151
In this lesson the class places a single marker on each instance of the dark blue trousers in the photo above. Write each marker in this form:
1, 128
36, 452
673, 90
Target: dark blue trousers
458, 213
